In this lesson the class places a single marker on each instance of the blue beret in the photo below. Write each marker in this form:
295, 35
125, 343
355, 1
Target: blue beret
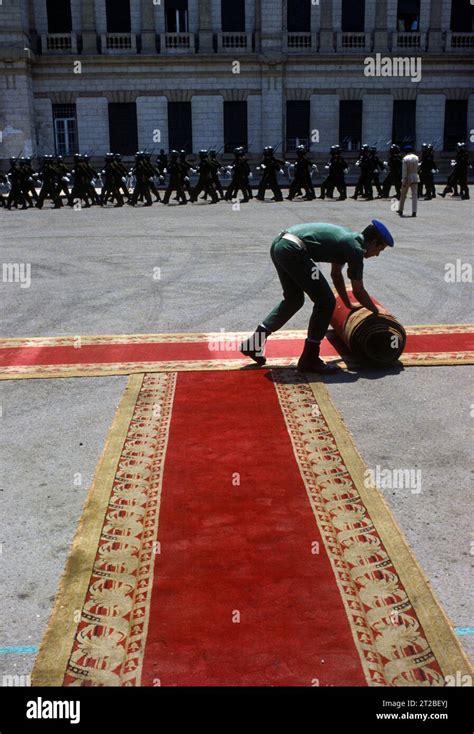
382, 229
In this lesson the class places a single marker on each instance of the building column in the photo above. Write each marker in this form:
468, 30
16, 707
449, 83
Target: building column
93, 124
254, 123
380, 27
271, 20
89, 35
44, 125
377, 120
272, 107
148, 27
470, 122
205, 27
152, 117
430, 109
327, 28
435, 42
208, 121
324, 117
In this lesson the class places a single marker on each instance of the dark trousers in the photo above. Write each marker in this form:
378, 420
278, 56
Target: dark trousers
298, 275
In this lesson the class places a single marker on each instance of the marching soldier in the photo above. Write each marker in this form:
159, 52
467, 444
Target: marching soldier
175, 174
81, 187
28, 176
122, 176
270, 166
427, 170
142, 175
458, 176
240, 171
111, 187
16, 196
337, 168
394, 175
153, 171
377, 166
216, 168
185, 170
62, 178
205, 181
364, 184
162, 161
49, 189
302, 179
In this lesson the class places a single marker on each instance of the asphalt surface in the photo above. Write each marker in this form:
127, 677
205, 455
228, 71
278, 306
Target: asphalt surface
205, 268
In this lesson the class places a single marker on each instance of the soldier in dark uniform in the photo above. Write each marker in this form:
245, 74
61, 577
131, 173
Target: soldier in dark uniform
295, 254
302, 179
49, 189
15, 197
81, 186
111, 188
364, 184
205, 181
186, 167
175, 174
162, 161
270, 166
153, 171
240, 171
216, 169
337, 168
62, 177
377, 166
394, 175
28, 175
142, 176
122, 176
458, 176
426, 172
91, 175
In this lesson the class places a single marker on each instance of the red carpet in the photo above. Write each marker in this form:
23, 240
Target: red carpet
229, 538
104, 355
241, 550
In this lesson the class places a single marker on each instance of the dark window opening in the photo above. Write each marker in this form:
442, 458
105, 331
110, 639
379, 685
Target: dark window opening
455, 123
233, 16
65, 129
59, 16
462, 14
408, 16
353, 16
118, 16
404, 122
180, 126
297, 124
176, 16
123, 127
350, 124
235, 125
299, 16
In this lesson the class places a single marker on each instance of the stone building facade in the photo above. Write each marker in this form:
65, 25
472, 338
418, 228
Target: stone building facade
95, 75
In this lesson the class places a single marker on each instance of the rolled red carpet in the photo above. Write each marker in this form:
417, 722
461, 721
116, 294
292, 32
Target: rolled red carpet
379, 339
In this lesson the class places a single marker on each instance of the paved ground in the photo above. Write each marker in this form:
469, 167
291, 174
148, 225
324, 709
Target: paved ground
94, 272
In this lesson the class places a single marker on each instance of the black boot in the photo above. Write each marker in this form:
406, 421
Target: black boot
310, 361
254, 346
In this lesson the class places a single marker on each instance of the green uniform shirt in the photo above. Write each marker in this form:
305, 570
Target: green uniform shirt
329, 243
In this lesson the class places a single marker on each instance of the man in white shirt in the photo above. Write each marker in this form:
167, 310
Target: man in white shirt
410, 180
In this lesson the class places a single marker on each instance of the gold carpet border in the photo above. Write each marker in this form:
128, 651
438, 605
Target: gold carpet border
97, 631
399, 628
27, 372
173, 338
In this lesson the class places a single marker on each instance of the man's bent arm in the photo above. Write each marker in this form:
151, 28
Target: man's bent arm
339, 284
362, 296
